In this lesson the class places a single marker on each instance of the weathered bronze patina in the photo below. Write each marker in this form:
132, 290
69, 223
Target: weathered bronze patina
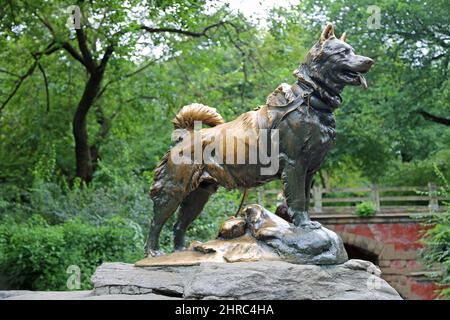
303, 114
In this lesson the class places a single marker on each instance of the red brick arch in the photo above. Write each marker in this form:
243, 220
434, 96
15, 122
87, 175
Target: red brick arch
396, 244
365, 243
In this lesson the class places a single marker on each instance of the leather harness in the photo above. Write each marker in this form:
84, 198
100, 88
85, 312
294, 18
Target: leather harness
310, 99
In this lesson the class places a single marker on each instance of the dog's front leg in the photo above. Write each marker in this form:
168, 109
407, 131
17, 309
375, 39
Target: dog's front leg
308, 185
295, 178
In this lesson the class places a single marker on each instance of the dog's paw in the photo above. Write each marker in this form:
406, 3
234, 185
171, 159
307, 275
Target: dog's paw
301, 220
310, 225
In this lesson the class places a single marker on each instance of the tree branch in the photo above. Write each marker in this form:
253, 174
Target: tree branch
71, 50
108, 52
44, 75
244, 60
420, 36
82, 44
184, 32
36, 55
46, 24
102, 91
65, 45
431, 117
10, 73
18, 84
156, 30
439, 56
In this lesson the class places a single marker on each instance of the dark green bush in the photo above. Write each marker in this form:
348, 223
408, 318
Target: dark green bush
220, 207
35, 255
57, 203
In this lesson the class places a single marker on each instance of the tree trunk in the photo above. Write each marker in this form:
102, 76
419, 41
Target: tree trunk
84, 165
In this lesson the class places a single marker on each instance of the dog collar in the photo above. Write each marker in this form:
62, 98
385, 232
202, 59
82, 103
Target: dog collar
318, 98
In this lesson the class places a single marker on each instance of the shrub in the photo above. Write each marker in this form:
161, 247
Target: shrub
127, 198
436, 254
219, 208
436, 238
36, 255
365, 209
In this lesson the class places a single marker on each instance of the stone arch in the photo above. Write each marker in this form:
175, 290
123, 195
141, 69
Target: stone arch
362, 242
366, 248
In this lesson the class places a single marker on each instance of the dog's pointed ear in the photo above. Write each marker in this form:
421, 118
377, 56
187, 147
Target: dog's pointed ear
327, 33
343, 37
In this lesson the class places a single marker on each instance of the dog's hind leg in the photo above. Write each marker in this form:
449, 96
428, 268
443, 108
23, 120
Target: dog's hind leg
164, 205
190, 208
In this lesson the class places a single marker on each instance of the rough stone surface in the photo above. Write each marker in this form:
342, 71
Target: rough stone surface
75, 295
280, 280
122, 278
355, 279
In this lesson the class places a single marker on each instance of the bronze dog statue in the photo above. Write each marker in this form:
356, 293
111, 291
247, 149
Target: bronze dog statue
301, 115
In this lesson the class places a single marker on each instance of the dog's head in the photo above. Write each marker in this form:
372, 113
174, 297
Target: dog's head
332, 63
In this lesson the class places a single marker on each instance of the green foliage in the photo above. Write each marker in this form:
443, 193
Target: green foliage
58, 202
221, 206
436, 254
36, 255
365, 209
412, 173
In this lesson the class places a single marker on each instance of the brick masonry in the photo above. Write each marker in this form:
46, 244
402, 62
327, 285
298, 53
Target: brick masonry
396, 244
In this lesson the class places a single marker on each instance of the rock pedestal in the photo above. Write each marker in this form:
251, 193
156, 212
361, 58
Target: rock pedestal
257, 255
354, 279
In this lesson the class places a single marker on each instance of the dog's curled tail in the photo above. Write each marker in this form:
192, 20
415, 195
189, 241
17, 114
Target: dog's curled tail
196, 112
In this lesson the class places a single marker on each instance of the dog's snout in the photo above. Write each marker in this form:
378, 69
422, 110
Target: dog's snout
363, 64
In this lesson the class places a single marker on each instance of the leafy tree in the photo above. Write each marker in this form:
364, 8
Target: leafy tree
110, 32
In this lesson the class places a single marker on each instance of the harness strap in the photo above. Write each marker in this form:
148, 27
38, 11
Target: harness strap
312, 101
289, 108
